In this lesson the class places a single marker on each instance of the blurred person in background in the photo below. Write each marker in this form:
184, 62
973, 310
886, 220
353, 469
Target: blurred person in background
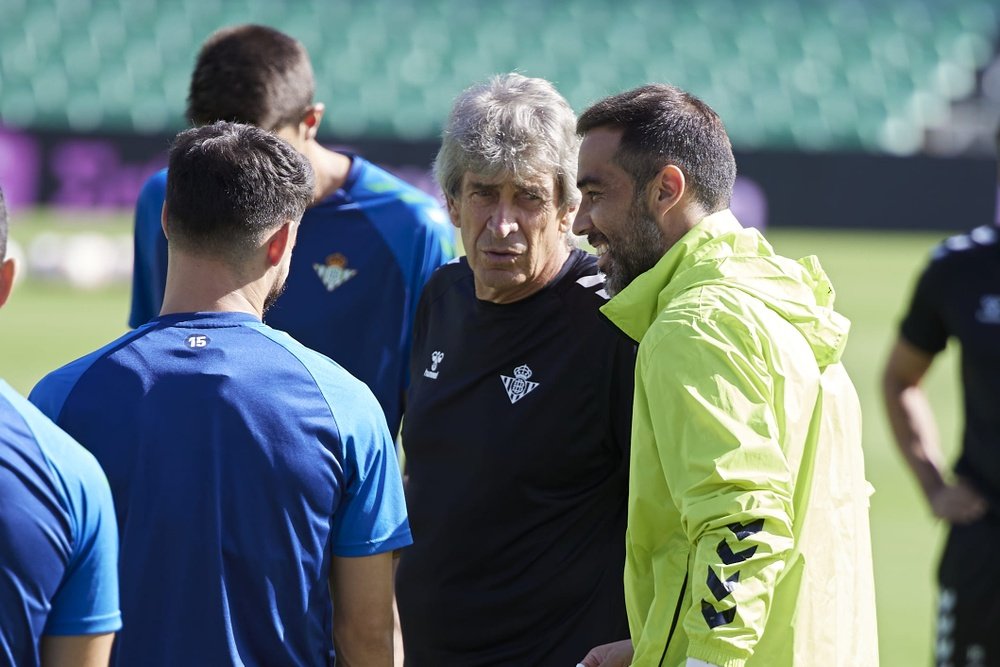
253, 477
518, 416
58, 538
748, 538
367, 243
958, 297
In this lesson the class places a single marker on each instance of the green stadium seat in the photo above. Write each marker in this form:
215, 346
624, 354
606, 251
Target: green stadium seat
854, 74
116, 89
107, 31
17, 100
81, 59
86, 113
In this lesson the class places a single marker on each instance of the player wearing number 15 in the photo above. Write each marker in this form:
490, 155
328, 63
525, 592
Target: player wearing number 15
252, 476
367, 243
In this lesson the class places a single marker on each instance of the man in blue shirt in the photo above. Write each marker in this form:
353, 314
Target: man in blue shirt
253, 477
368, 241
58, 541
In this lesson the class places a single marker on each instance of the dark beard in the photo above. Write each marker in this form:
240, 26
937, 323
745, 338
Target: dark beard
636, 251
273, 295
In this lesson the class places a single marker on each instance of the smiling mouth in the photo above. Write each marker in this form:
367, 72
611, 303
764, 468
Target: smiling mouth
599, 243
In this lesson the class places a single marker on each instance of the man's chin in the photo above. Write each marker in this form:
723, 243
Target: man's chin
604, 262
618, 276
614, 278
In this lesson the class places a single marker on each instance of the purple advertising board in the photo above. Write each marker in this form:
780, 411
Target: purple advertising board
860, 191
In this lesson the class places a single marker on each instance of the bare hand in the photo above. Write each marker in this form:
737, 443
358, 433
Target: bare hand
958, 503
615, 654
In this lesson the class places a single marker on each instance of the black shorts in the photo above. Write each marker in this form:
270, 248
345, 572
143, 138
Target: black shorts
968, 622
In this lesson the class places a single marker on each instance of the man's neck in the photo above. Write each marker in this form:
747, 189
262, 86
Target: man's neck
330, 169
196, 285
680, 220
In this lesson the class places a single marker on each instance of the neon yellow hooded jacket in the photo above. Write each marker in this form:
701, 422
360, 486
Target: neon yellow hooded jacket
748, 538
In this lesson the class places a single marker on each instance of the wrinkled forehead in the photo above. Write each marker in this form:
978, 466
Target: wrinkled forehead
522, 179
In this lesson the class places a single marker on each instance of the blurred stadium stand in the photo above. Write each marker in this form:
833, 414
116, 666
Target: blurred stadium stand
888, 76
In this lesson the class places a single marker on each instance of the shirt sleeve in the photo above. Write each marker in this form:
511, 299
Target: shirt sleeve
371, 517
149, 262
924, 325
438, 248
717, 436
87, 600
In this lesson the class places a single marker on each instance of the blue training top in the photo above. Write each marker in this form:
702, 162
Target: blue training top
361, 260
240, 462
58, 541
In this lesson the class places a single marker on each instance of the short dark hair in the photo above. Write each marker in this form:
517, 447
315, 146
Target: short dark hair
251, 74
228, 185
662, 125
3, 227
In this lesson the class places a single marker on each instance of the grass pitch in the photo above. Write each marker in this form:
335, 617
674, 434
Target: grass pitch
46, 325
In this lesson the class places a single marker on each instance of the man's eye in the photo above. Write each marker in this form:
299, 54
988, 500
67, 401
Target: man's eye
592, 195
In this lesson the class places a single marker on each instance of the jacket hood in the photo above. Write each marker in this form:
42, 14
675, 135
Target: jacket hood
719, 251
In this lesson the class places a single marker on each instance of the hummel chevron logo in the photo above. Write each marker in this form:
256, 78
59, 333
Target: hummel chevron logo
721, 589
742, 531
728, 556
715, 618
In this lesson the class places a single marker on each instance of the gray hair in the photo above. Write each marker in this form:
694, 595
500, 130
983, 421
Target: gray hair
510, 124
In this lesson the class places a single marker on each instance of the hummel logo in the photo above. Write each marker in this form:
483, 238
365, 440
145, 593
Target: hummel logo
436, 357
334, 272
518, 386
989, 309
722, 589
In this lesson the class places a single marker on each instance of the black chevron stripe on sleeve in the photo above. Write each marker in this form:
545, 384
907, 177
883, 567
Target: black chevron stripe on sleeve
721, 589
743, 531
732, 558
714, 617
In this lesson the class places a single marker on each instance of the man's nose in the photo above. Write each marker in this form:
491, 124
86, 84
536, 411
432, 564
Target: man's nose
582, 224
503, 222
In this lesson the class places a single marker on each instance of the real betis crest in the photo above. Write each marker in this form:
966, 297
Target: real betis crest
334, 272
518, 386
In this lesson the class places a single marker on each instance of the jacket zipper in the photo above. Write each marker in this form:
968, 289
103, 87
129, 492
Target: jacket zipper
677, 615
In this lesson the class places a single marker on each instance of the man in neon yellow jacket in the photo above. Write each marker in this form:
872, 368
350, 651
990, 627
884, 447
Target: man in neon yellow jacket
748, 539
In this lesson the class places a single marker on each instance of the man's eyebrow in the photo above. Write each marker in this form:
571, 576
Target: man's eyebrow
587, 181
477, 185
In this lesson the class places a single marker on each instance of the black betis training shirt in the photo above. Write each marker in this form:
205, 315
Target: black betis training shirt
517, 443
959, 295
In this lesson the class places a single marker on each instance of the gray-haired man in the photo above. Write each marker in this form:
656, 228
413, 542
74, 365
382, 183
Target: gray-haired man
518, 418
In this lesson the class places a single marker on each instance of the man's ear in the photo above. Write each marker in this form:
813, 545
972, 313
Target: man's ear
453, 211
312, 118
279, 242
163, 220
666, 189
8, 270
567, 215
